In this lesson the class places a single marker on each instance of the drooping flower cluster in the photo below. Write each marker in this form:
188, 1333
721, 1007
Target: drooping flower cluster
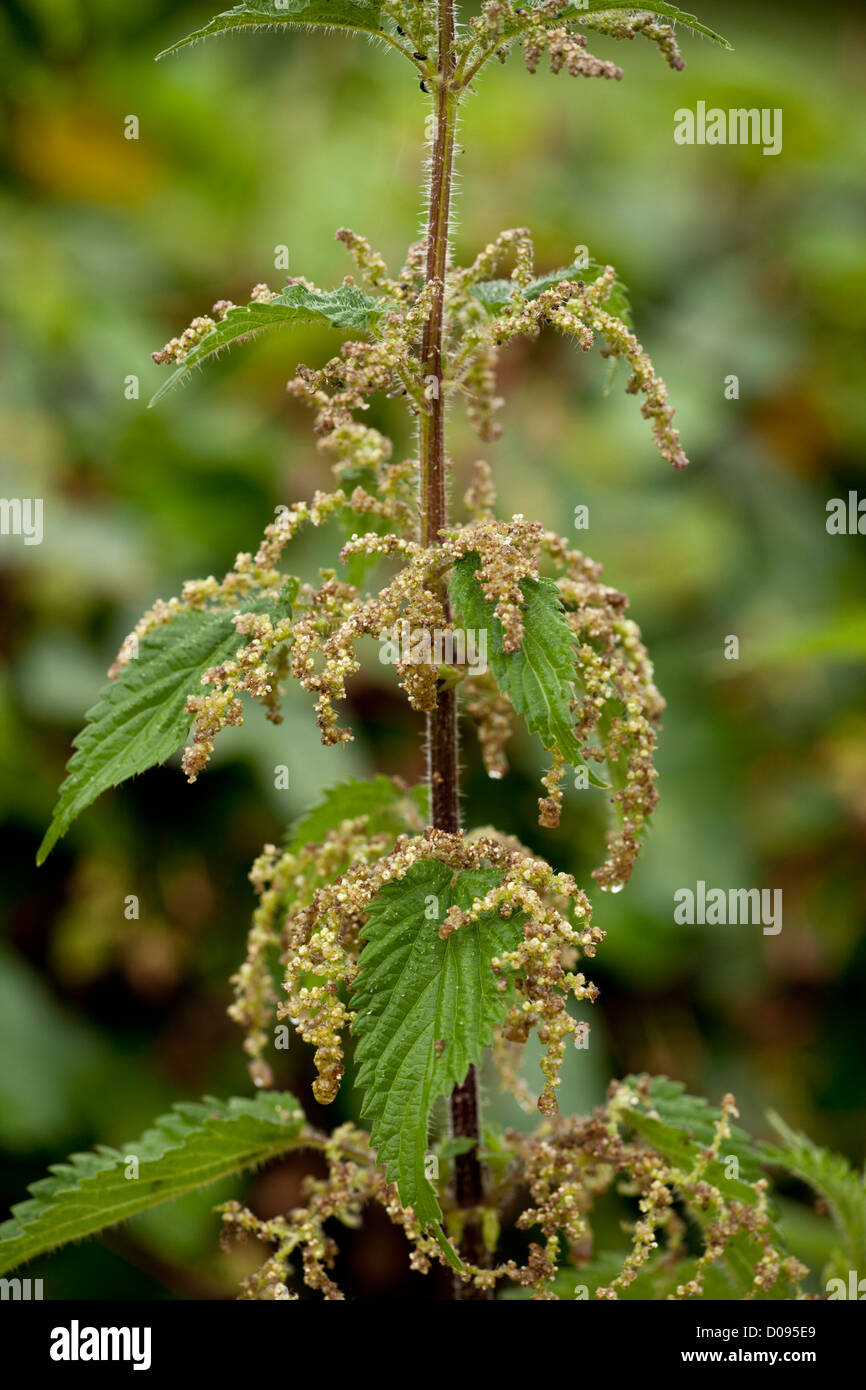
484, 320
566, 49
252, 672
315, 963
628, 26
476, 329
352, 1182
313, 904
567, 1164
620, 708
493, 716
616, 704
555, 28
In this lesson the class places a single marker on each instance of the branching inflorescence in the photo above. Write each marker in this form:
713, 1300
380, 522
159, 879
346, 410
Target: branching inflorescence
345, 910
314, 898
332, 616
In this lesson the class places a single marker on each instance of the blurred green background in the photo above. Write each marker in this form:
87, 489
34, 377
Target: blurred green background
737, 264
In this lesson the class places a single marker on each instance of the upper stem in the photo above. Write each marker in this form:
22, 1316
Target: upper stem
443, 769
434, 500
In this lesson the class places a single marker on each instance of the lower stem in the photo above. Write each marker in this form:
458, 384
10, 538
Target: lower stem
465, 1105
442, 736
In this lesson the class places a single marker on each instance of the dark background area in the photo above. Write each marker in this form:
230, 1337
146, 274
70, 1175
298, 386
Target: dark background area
737, 263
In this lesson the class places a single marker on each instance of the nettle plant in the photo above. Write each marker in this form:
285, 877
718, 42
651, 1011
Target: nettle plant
382, 919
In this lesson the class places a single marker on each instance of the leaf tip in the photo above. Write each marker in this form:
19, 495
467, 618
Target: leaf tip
447, 1249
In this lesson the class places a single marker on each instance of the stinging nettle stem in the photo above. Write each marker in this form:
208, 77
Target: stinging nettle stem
442, 737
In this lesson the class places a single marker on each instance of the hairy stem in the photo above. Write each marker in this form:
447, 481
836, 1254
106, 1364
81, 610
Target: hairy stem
442, 740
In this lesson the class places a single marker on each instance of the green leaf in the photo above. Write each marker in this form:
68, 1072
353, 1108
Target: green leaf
425, 1011
197, 1143
539, 677
835, 1181
496, 294
140, 718
381, 799
361, 16
346, 307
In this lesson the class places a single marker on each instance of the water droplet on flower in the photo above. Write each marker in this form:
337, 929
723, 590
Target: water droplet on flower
261, 1073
